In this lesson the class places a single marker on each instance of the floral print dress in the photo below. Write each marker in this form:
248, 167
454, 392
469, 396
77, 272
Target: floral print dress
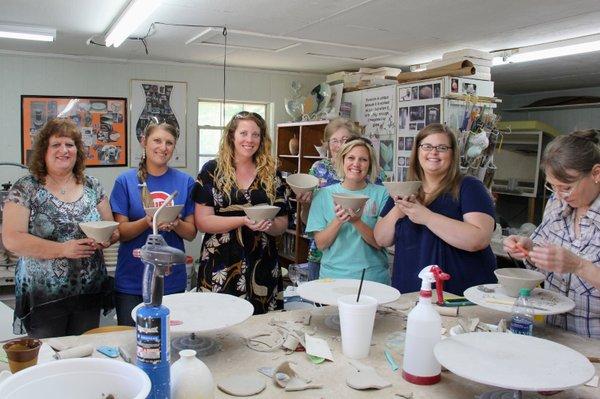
240, 262
52, 284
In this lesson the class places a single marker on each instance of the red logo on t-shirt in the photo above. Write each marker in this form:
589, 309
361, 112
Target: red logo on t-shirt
159, 197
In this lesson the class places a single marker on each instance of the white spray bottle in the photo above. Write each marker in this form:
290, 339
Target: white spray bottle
423, 331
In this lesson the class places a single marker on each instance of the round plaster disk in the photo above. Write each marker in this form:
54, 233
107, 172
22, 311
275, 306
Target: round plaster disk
242, 385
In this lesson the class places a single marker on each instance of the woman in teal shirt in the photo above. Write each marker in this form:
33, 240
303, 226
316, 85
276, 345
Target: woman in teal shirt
346, 239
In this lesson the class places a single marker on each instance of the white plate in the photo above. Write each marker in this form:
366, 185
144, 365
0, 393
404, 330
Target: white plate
552, 302
514, 361
204, 311
326, 291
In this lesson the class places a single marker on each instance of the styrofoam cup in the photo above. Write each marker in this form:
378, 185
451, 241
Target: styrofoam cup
356, 324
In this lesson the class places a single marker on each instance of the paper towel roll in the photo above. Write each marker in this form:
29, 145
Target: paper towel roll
77, 351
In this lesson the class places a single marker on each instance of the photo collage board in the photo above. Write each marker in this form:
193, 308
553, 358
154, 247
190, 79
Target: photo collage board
379, 119
419, 104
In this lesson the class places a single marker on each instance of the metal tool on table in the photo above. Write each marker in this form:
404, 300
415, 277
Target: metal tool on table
440, 277
152, 319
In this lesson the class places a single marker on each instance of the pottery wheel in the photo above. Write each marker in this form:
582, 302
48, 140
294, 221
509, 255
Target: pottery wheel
204, 346
326, 291
197, 312
548, 302
514, 361
242, 385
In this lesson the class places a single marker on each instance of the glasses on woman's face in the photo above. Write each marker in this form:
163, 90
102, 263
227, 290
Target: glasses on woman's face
439, 148
564, 192
245, 114
338, 141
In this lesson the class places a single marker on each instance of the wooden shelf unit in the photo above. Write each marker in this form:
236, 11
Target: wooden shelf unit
309, 134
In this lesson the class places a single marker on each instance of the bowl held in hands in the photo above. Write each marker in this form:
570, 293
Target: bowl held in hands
513, 279
402, 189
302, 182
100, 230
354, 202
167, 215
258, 213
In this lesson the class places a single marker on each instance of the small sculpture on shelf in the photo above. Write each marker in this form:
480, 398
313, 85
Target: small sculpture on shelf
294, 145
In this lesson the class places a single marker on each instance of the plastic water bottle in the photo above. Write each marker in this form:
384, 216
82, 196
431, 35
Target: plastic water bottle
522, 314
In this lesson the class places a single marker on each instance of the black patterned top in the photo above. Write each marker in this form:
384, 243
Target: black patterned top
48, 282
240, 262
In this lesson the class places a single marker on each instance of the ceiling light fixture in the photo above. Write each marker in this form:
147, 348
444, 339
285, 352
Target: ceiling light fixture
580, 45
27, 33
136, 12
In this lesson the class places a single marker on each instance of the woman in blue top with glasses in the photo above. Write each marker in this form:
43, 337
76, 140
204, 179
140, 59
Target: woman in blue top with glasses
449, 223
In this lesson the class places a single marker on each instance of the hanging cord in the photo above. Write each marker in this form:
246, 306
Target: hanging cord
224, 72
152, 30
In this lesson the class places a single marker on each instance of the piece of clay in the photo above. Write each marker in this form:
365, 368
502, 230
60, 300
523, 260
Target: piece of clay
365, 377
242, 385
286, 377
291, 342
502, 325
473, 324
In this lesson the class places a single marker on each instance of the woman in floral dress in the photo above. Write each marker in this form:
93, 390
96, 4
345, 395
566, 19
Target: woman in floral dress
239, 256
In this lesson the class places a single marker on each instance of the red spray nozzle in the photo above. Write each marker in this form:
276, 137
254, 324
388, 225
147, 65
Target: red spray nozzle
440, 277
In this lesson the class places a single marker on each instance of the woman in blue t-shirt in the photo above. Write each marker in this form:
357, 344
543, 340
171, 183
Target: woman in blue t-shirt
449, 223
345, 238
149, 186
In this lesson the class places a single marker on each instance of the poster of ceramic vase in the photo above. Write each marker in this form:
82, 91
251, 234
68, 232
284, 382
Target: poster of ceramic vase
156, 101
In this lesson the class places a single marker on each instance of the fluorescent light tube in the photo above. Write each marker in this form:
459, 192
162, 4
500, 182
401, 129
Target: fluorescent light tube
27, 33
560, 51
137, 11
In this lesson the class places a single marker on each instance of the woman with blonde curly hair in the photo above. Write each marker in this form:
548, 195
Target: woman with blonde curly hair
238, 255
61, 279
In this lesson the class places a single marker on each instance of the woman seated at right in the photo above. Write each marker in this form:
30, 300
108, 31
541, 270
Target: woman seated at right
566, 245
449, 223
346, 239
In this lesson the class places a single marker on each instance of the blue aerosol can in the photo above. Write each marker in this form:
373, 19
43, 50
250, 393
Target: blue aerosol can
152, 319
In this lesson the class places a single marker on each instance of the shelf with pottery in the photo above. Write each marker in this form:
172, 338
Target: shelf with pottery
236, 359
296, 146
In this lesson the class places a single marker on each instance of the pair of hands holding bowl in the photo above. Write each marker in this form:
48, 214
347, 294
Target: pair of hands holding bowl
413, 209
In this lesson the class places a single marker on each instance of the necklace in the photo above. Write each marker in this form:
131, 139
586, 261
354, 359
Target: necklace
62, 189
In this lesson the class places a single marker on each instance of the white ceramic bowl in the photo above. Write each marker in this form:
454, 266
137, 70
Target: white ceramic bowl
76, 379
258, 213
302, 182
350, 201
322, 150
513, 279
402, 188
100, 230
167, 215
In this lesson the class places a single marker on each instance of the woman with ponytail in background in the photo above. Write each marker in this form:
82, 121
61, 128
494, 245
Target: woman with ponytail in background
149, 186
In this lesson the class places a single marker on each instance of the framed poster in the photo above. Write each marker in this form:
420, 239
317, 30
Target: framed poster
158, 101
102, 122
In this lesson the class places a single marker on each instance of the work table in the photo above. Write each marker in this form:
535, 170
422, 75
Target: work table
235, 357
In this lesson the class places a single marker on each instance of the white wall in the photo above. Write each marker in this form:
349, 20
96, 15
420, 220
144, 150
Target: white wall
31, 75
564, 120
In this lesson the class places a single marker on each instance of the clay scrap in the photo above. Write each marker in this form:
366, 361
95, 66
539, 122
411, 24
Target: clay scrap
242, 385
286, 377
362, 377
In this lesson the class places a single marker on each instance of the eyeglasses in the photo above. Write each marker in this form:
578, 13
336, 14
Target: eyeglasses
439, 148
560, 191
338, 142
245, 114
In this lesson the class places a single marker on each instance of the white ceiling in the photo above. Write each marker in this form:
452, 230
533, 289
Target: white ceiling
328, 35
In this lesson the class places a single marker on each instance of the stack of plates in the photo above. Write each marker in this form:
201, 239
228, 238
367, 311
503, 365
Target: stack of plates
110, 255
